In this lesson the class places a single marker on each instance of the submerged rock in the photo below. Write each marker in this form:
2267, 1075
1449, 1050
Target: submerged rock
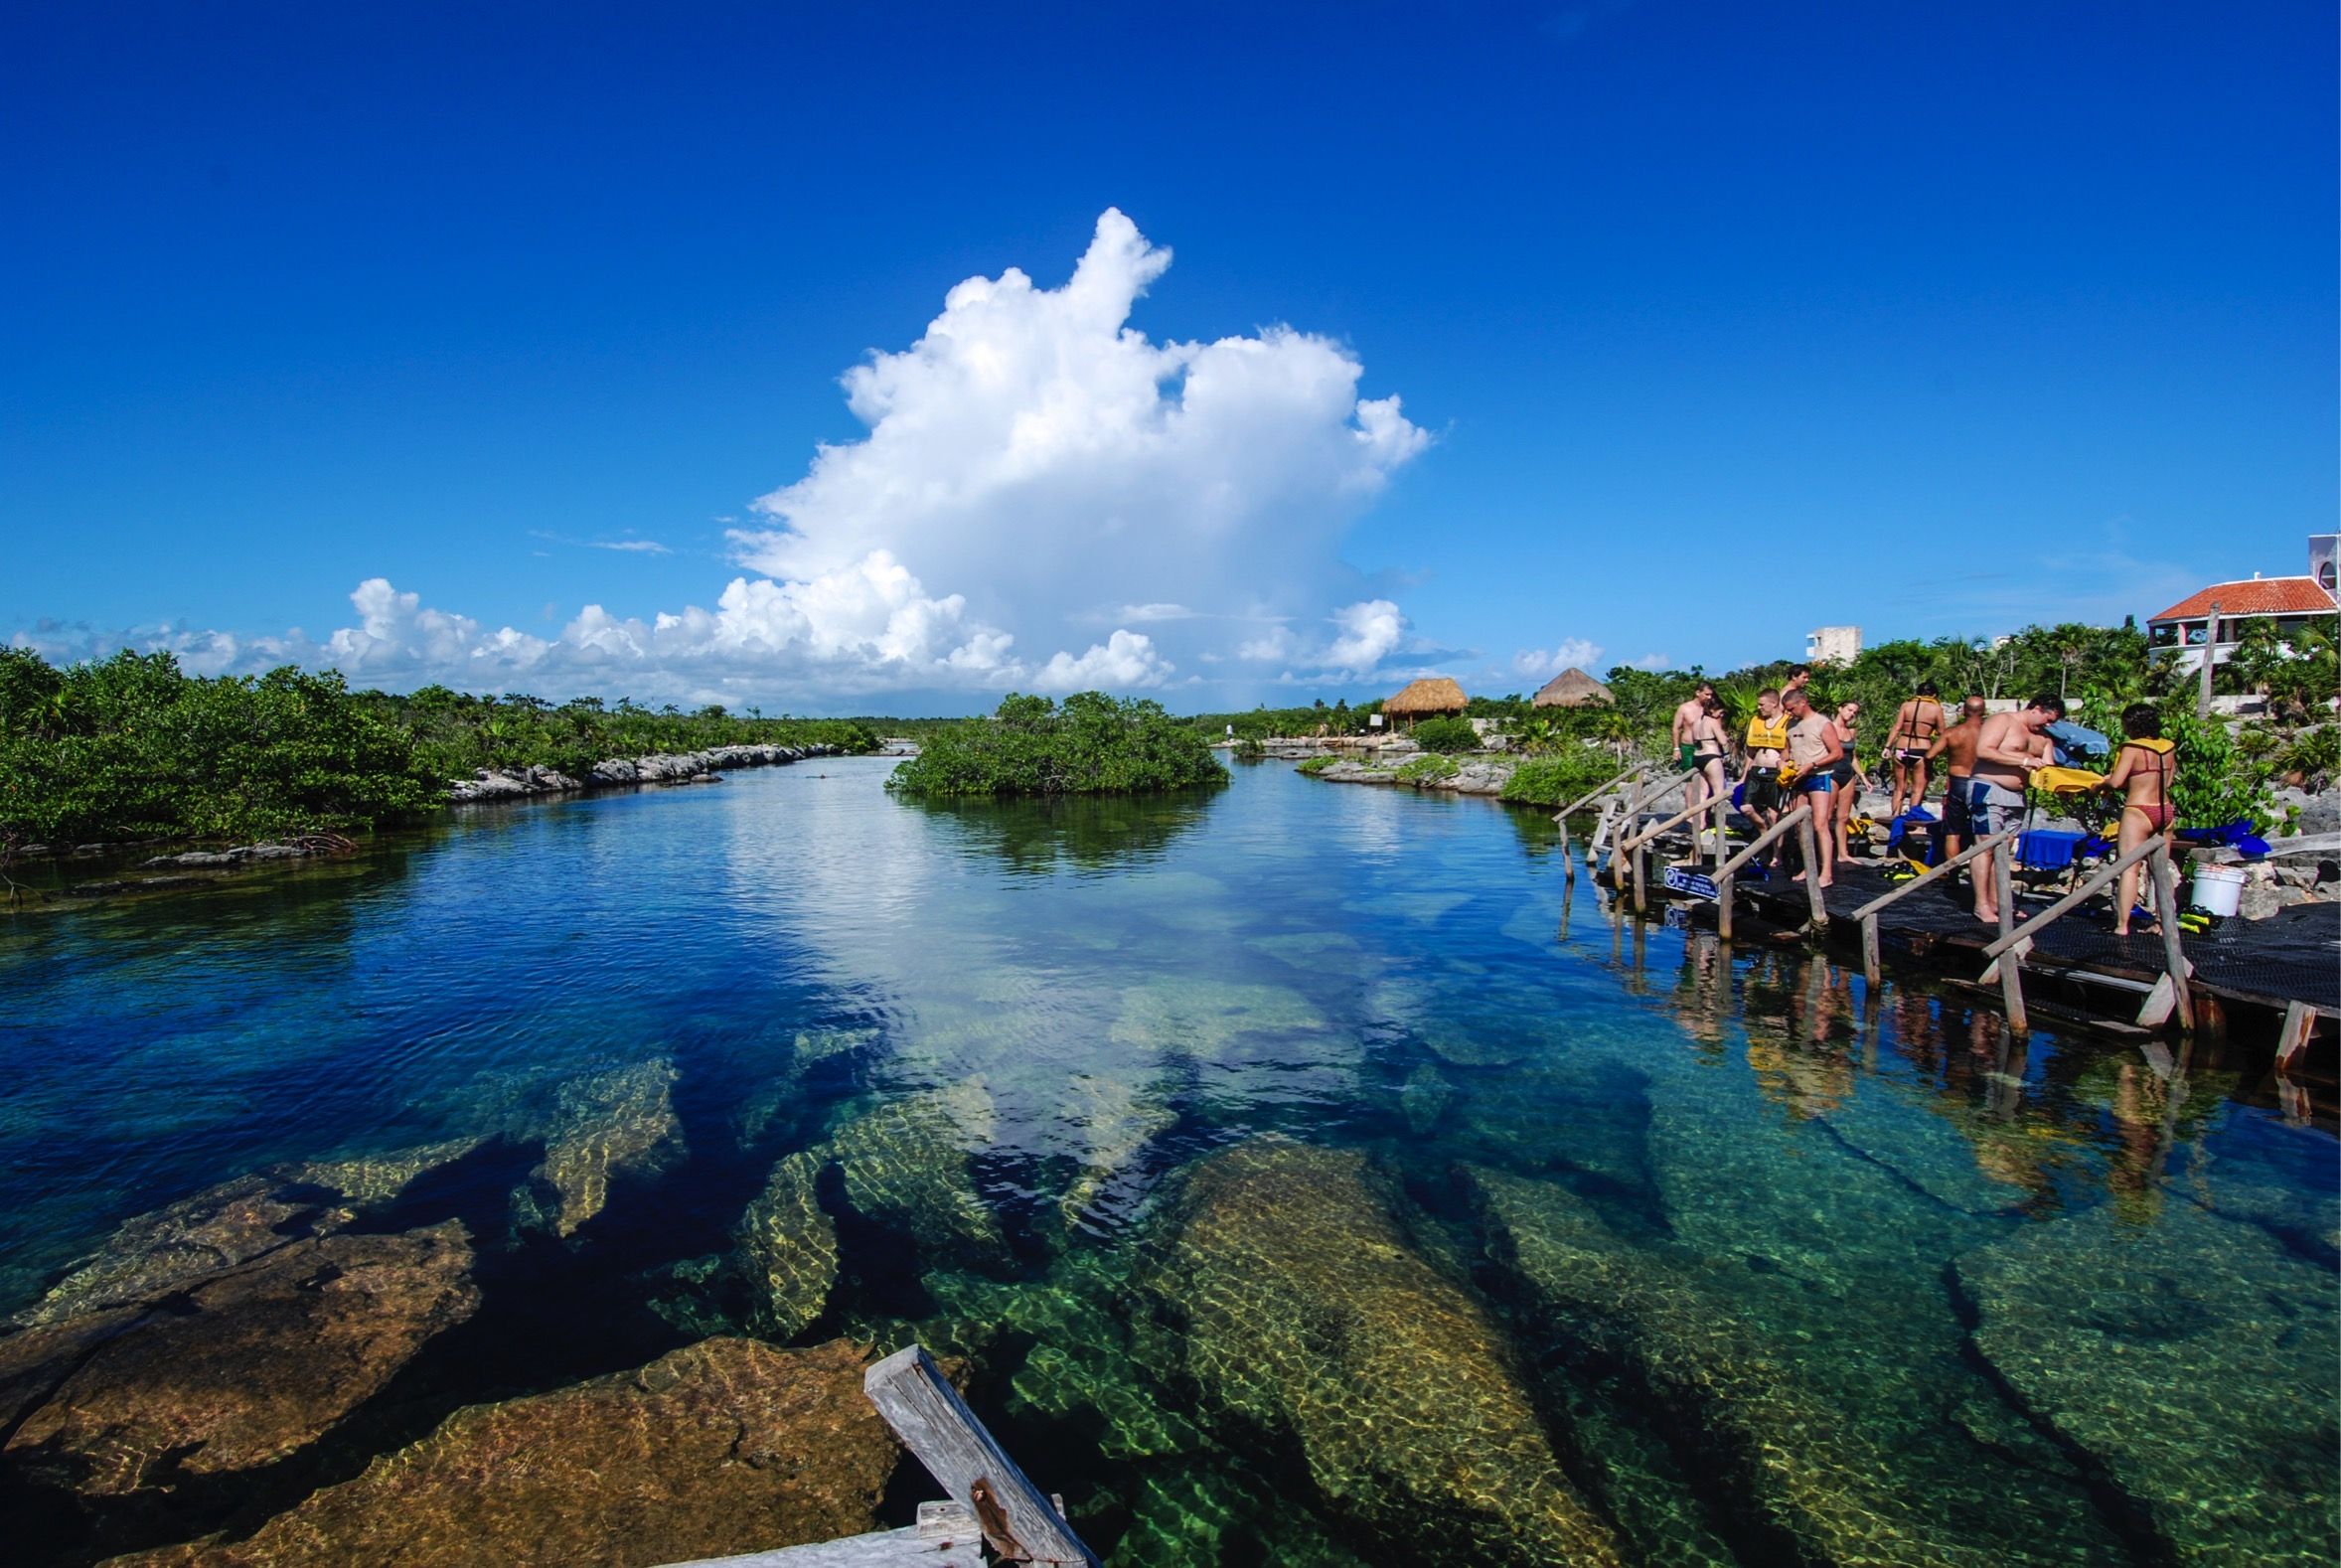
606, 1125
223, 1226
244, 1367
906, 1165
1206, 1018
723, 1447
2192, 1357
1309, 1317
787, 1249
1817, 1480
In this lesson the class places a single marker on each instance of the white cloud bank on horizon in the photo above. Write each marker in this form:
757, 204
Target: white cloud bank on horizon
1041, 465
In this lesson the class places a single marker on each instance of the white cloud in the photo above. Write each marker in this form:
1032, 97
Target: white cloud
1654, 660
1030, 457
1572, 653
1126, 658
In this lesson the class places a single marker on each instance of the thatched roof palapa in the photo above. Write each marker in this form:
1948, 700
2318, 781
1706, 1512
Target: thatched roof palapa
1572, 688
1430, 694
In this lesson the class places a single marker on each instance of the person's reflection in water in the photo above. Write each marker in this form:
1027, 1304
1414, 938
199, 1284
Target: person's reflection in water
1702, 998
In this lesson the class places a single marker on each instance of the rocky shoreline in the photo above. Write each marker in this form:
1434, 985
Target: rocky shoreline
663, 767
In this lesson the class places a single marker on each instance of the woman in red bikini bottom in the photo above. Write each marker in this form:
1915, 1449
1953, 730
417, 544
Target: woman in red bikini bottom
2142, 772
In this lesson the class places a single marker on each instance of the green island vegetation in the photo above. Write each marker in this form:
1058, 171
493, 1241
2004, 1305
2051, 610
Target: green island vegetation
1090, 745
132, 749
1444, 736
1428, 770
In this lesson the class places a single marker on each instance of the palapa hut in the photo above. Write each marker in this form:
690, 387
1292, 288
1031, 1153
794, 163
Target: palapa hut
1572, 688
1425, 699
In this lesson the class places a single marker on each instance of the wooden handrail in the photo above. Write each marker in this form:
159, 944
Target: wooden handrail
1787, 824
1583, 801
2072, 900
1980, 847
936, 1425
1676, 820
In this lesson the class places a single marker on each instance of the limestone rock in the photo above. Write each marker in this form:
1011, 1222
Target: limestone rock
2193, 1358
1309, 1317
227, 1225
787, 1249
251, 1366
607, 1125
723, 1447
906, 1165
1802, 1465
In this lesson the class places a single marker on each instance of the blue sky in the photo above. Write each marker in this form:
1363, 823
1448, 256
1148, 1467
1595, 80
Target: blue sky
1711, 324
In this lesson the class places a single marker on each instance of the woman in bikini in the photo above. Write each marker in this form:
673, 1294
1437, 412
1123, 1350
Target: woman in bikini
1846, 774
1709, 742
1915, 725
2142, 773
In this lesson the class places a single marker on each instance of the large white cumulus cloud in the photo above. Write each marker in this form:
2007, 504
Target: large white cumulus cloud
1035, 472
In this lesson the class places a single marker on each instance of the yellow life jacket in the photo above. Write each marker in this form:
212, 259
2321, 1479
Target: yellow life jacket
2155, 744
1772, 736
2065, 781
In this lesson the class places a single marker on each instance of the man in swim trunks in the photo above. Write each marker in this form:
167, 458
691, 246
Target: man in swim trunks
1915, 725
2009, 748
1768, 747
1688, 714
1958, 746
1814, 752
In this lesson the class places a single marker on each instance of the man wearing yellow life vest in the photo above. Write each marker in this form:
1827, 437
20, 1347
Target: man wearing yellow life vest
1767, 744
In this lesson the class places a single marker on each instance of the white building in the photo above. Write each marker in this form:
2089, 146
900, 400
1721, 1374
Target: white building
1832, 644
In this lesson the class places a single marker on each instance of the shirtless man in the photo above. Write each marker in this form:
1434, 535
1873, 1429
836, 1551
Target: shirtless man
1767, 747
1957, 745
1915, 725
2008, 748
1686, 715
1814, 752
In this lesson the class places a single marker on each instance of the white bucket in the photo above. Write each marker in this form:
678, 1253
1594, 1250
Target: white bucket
2219, 890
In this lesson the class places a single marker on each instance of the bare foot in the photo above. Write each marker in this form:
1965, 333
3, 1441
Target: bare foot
1988, 916
1824, 881
1799, 877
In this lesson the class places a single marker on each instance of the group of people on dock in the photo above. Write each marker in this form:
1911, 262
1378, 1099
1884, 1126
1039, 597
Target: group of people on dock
1791, 752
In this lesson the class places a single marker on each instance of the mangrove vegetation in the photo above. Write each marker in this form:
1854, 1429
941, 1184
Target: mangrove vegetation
1090, 745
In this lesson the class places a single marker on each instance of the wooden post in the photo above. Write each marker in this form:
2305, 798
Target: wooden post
2210, 653
1724, 881
1722, 831
935, 1424
2174, 957
1817, 906
1869, 950
2293, 1037
2011, 961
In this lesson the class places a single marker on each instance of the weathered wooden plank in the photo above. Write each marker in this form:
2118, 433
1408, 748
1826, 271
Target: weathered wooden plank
904, 1548
2174, 959
937, 1426
2293, 1038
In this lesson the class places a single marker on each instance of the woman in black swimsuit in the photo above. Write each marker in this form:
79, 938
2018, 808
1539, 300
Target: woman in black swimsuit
1847, 775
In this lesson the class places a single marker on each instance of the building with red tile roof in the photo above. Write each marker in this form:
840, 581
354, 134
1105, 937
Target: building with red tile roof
2291, 602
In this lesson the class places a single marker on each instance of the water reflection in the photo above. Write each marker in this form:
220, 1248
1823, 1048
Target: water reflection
1091, 835
1775, 1258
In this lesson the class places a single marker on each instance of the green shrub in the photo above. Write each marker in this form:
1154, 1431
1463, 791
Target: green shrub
2213, 786
1428, 770
1317, 765
1561, 778
1091, 745
2314, 754
1445, 735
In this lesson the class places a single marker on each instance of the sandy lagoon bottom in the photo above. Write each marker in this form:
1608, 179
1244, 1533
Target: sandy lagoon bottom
1290, 1183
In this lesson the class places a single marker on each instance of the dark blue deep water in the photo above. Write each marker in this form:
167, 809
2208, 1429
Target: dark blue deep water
1299, 1183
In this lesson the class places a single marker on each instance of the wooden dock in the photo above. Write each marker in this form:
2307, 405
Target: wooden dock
2278, 980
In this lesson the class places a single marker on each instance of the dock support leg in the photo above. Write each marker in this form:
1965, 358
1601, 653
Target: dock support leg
2299, 1024
2174, 958
1723, 894
1818, 911
1869, 950
2011, 961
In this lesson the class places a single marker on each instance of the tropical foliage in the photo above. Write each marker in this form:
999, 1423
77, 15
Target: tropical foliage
1091, 744
1560, 778
1445, 735
132, 749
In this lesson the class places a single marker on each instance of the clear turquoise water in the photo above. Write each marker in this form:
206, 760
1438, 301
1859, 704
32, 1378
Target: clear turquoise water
1781, 1270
